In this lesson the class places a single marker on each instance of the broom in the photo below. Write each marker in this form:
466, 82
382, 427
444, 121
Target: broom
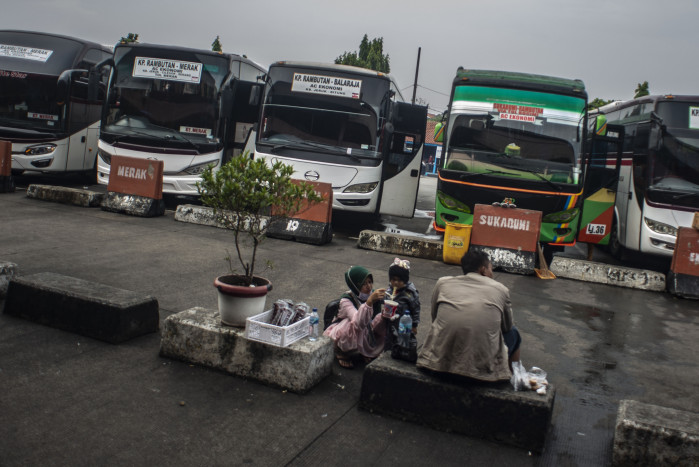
544, 272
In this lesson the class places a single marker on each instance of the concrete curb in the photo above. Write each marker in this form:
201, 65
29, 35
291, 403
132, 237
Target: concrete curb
197, 336
133, 205
588, 271
201, 215
87, 308
565, 268
7, 272
401, 244
493, 411
65, 195
648, 434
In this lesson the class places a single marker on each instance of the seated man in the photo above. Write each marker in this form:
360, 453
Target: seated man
472, 332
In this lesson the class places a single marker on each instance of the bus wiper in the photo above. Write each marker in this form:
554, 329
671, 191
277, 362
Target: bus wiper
685, 195
538, 175
502, 173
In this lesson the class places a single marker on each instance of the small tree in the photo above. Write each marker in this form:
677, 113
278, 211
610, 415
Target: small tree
641, 90
216, 45
597, 103
248, 194
370, 56
131, 37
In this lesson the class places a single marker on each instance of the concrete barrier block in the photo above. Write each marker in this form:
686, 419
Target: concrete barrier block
65, 195
202, 215
569, 268
133, 205
7, 272
301, 230
83, 307
401, 244
197, 336
7, 184
484, 410
648, 434
512, 261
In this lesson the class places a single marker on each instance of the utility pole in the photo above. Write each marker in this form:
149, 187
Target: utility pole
417, 68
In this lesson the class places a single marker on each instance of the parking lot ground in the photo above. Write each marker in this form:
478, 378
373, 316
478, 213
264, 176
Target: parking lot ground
71, 400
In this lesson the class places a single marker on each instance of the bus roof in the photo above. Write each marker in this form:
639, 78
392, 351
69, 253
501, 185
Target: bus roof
174, 48
65, 51
571, 87
617, 105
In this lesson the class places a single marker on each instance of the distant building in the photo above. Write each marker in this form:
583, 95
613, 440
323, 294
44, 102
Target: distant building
432, 149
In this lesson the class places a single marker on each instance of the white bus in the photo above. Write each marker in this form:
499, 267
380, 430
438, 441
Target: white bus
346, 126
50, 101
189, 108
658, 171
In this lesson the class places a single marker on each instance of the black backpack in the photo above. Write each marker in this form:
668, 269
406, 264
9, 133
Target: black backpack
331, 310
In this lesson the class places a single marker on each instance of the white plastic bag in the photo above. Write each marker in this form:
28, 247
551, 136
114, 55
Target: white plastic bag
520, 377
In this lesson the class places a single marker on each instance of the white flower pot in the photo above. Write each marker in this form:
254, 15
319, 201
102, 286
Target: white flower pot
236, 303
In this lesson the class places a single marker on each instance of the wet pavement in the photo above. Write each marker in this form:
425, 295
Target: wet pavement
70, 400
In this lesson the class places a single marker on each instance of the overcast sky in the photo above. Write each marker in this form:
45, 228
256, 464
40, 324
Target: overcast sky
611, 45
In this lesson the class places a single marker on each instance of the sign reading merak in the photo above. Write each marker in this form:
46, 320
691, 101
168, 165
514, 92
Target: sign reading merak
327, 85
26, 53
172, 70
195, 131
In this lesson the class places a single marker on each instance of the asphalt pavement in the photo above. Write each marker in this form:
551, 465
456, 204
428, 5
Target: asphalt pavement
70, 400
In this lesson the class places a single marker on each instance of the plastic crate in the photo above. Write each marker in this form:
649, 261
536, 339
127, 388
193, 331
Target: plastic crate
257, 328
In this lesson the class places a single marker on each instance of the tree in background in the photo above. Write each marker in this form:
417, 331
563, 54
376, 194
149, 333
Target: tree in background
131, 37
370, 56
597, 103
641, 90
216, 45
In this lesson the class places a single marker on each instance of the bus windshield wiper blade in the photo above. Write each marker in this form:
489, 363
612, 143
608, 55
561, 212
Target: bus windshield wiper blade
538, 175
685, 195
489, 171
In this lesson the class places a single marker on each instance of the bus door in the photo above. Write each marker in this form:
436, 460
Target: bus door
402, 159
241, 106
602, 164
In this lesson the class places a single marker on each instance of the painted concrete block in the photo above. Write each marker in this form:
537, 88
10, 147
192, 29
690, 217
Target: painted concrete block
197, 336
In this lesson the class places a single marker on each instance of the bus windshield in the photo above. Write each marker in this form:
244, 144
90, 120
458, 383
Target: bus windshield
537, 138
343, 122
165, 95
28, 102
674, 170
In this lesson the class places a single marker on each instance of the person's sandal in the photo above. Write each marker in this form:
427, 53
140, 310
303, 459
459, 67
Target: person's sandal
344, 362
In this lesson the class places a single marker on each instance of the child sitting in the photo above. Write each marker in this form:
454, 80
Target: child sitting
403, 291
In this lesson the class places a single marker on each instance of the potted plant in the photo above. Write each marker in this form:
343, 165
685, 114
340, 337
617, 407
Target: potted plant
247, 195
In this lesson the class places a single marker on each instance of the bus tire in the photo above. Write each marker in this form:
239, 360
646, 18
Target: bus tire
615, 248
90, 176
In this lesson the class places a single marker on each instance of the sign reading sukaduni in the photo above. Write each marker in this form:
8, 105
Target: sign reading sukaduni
513, 229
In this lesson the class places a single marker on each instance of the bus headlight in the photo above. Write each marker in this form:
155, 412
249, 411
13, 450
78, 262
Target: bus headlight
361, 188
452, 203
39, 149
561, 217
105, 156
199, 168
661, 228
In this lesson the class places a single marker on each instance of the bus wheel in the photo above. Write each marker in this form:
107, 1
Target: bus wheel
615, 248
90, 176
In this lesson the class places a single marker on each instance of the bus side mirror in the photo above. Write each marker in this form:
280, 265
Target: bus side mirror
63, 86
439, 132
657, 128
255, 95
93, 83
227, 101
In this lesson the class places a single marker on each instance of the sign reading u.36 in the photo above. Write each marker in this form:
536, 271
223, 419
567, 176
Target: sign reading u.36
162, 68
329, 85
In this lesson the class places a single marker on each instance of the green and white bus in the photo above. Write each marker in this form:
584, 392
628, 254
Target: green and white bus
518, 137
